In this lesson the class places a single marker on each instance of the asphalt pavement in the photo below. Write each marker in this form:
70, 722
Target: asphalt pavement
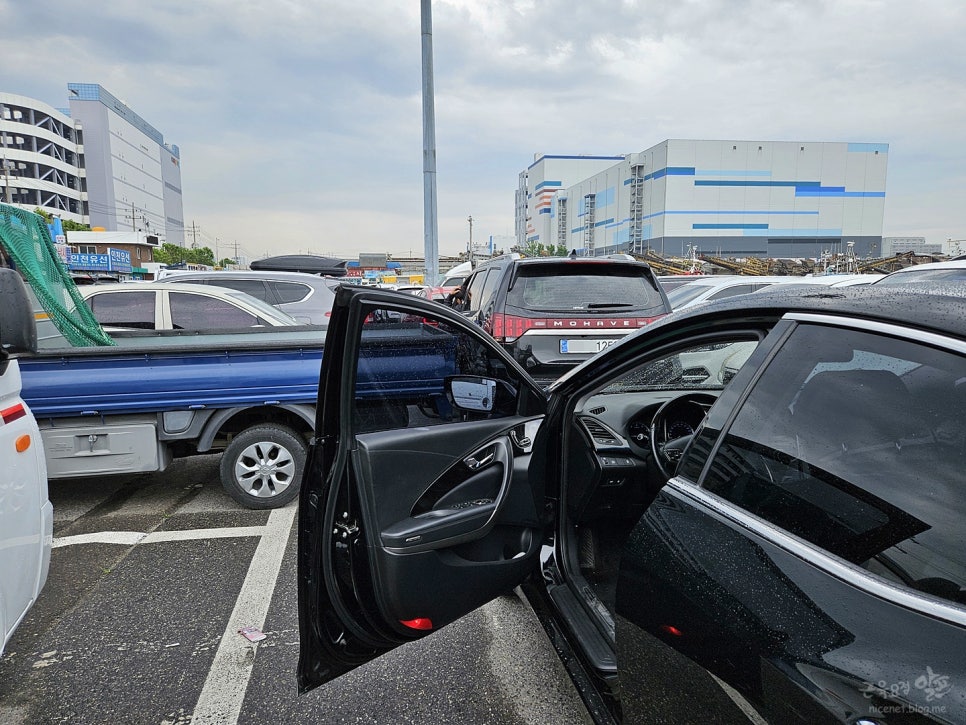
152, 576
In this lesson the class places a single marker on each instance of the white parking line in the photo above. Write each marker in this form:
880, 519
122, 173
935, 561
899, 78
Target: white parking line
224, 691
129, 538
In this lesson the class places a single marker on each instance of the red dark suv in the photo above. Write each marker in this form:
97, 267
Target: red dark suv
553, 313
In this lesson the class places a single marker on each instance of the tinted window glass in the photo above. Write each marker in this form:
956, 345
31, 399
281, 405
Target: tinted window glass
253, 287
925, 275
573, 287
124, 309
855, 442
402, 367
685, 293
489, 288
474, 295
290, 291
738, 289
200, 312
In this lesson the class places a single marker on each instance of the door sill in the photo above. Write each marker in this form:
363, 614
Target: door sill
598, 652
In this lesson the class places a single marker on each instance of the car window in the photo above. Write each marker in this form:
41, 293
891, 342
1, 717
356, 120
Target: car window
489, 289
568, 287
288, 292
707, 365
474, 295
854, 442
201, 312
406, 390
685, 293
738, 289
253, 287
924, 275
124, 309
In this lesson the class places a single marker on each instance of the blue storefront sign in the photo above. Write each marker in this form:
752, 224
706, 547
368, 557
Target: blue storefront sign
116, 260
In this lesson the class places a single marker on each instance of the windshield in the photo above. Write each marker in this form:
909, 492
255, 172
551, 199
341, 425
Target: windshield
924, 275
685, 293
703, 367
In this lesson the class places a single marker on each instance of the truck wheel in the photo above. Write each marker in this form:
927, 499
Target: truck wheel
262, 467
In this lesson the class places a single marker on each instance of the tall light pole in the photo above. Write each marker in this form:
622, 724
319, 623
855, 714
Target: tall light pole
469, 248
430, 227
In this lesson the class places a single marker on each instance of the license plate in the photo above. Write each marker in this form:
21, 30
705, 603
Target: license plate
584, 346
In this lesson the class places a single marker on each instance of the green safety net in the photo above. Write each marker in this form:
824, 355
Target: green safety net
25, 239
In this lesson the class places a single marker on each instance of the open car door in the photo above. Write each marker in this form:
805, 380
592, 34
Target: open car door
416, 505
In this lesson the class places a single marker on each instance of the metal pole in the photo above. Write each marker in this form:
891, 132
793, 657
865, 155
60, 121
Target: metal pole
469, 249
430, 226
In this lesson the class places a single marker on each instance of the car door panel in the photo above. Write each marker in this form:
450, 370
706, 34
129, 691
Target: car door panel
414, 511
795, 642
476, 485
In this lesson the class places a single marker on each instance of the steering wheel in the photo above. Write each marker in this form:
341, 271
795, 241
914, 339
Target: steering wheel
688, 411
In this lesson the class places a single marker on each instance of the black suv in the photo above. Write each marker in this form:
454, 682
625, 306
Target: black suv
553, 313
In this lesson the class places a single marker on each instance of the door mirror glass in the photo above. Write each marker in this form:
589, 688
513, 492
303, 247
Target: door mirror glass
471, 393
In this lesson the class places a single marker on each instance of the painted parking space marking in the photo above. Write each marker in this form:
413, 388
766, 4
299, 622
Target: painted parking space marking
130, 538
224, 690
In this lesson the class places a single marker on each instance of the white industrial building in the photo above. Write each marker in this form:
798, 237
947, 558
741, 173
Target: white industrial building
96, 163
133, 176
41, 164
782, 199
546, 176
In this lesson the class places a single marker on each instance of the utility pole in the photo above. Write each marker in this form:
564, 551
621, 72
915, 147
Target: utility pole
469, 248
430, 225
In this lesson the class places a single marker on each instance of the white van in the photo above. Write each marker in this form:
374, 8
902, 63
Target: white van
26, 515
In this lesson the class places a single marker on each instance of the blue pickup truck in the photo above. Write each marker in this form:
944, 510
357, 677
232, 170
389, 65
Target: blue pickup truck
251, 395
131, 401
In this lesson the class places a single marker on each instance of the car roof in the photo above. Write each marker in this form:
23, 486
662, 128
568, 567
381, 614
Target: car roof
252, 273
948, 264
929, 307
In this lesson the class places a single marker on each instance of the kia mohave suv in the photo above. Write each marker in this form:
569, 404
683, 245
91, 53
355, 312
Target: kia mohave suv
554, 313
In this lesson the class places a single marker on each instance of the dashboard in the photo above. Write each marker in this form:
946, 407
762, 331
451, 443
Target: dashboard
623, 462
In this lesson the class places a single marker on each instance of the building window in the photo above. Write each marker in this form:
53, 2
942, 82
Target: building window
86, 248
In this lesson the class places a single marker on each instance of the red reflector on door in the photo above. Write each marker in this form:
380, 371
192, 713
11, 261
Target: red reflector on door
418, 623
671, 629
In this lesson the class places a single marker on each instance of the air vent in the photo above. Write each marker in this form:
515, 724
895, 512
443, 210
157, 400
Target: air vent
599, 432
597, 411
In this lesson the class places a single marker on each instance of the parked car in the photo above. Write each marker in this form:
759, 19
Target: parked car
952, 271
438, 294
719, 287
751, 509
306, 297
673, 281
172, 306
26, 515
553, 313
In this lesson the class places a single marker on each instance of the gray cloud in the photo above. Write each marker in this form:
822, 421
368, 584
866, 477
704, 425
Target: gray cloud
300, 121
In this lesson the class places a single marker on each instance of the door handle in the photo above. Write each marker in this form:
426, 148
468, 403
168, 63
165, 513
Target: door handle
476, 463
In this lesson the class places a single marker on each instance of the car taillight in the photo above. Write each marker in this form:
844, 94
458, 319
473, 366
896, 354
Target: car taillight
507, 328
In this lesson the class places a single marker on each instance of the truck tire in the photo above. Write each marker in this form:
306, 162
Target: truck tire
262, 467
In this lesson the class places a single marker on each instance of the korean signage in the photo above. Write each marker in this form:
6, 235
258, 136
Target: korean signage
116, 260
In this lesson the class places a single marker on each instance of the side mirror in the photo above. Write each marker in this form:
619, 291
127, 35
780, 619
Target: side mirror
471, 393
18, 330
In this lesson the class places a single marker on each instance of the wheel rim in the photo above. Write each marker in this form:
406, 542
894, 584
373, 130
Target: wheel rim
264, 469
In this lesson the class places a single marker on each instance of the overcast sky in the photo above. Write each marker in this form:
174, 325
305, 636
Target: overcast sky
300, 121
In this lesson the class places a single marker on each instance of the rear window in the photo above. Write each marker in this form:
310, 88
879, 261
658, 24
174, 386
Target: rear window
573, 287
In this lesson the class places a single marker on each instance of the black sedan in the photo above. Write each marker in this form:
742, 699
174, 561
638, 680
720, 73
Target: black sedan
755, 510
